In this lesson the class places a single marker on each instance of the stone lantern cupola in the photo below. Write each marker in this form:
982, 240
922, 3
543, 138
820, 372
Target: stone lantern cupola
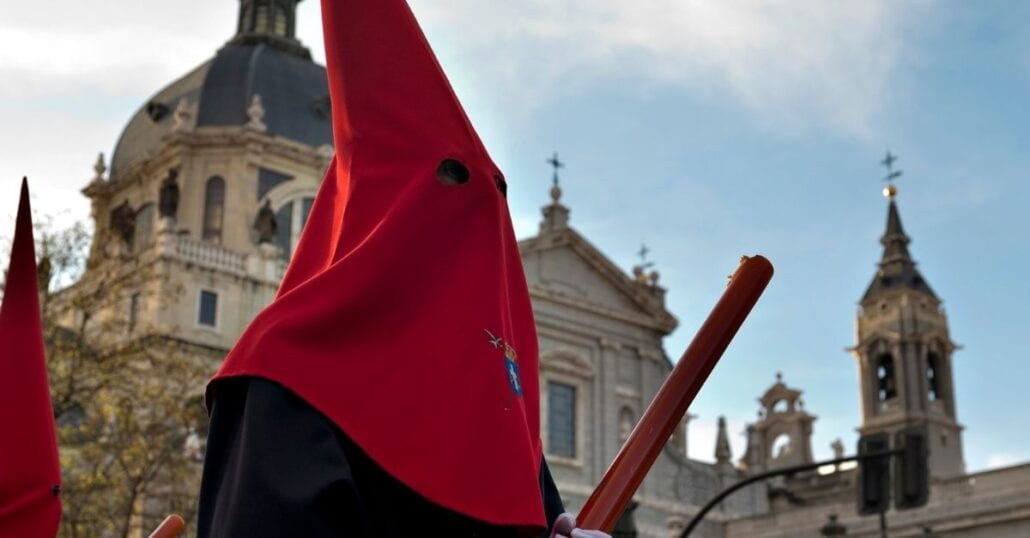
273, 22
782, 437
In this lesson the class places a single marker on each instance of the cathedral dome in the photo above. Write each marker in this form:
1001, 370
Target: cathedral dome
263, 59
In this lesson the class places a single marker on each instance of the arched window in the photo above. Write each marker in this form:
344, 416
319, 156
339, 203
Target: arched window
933, 362
626, 423
781, 446
214, 209
886, 384
281, 21
261, 22
291, 218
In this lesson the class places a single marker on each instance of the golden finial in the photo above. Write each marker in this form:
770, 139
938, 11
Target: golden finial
890, 191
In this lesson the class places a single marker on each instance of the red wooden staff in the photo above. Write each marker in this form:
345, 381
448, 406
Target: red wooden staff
171, 527
620, 482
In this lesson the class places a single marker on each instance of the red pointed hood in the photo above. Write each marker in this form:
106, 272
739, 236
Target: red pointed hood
30, 474
404, 315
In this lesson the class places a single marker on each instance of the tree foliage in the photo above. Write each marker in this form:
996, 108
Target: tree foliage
126, 392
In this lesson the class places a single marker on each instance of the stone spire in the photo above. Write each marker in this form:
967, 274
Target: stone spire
896, 269
723, 454
271, 22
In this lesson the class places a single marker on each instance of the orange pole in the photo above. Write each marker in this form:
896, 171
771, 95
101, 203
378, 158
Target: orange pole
171, 527
620, 482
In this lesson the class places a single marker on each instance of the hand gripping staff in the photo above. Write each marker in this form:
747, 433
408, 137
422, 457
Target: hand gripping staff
620, 482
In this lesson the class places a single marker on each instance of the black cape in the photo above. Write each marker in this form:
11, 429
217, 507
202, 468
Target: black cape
275, 466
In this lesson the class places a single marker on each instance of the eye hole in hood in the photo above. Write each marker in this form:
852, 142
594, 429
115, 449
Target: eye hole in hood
452, 172
501, 185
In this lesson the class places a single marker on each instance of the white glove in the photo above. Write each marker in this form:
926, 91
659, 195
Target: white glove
565, 527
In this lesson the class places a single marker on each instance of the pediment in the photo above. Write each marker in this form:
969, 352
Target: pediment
566, 268
567, 362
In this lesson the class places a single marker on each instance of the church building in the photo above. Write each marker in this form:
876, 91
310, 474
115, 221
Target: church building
211, 183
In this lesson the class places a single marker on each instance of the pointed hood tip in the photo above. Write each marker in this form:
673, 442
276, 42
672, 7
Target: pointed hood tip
25, 406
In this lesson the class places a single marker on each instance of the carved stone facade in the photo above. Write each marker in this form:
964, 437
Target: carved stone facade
210, 245
195, 166
601, 333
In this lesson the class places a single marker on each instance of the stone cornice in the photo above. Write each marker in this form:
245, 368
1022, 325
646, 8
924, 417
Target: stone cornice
545, 293
894, 338
877, 423
250, 140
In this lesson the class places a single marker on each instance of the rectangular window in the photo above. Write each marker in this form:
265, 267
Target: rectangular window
284, 229
133, 311
306, 210
208, 312
561, 419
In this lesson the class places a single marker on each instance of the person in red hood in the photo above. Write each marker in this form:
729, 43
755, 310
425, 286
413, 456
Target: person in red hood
30, 472
391, 387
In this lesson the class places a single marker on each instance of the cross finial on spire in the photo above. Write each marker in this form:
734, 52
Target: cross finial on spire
557, 165
888, 162
556, 216
643, 252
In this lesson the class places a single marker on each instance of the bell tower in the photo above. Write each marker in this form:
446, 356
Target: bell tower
904, 350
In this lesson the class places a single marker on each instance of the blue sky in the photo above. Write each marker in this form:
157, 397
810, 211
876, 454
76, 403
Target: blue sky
705, 129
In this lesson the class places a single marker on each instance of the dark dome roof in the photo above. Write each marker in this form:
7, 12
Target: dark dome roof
293, 89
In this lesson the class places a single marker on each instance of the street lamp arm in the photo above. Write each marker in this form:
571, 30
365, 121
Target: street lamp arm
778, 472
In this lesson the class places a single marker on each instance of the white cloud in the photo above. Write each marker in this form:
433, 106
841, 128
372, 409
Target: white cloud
84, 67
702, 432
1003, 459
61, 47
71, 75
792, 62
100, 62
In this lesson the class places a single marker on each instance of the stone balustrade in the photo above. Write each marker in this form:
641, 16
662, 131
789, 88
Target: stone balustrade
266, 266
